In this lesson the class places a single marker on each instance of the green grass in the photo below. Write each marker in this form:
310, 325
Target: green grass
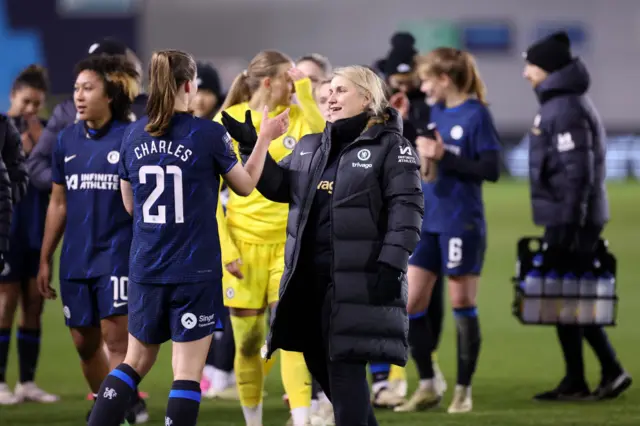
516, 361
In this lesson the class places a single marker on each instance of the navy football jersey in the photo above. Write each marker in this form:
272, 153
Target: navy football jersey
97, 234
175, 180
453, 205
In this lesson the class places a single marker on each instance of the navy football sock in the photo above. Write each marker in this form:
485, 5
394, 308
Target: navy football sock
115, 396
468, 331
28, 352
184, 403
421, 342
379, 372
5, 339
225, 349
435, 312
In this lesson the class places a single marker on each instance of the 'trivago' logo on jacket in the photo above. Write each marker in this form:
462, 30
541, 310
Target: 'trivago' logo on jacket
363, 155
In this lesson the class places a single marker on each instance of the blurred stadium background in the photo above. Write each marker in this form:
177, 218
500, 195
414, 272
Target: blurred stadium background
516, 361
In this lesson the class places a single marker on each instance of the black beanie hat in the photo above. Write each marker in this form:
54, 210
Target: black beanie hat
208, 78
551, 53
108, 46
401, 56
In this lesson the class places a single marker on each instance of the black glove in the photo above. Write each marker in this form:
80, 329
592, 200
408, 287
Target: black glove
562, 237
244, 133
388, 286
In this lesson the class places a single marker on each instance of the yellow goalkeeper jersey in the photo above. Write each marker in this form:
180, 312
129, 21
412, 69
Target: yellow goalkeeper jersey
254, 219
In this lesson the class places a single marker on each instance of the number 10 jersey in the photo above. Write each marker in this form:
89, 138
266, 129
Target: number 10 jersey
175, 180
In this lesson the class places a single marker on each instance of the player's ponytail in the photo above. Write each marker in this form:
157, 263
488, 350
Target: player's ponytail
169, 70
459, 66
474, 84
264, 64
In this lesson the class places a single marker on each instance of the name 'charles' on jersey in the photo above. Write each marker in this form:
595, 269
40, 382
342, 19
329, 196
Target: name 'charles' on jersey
175, 181
97, 234
453, 204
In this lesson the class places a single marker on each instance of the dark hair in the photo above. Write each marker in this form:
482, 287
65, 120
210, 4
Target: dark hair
319, 60
120, 81
459, 66
264, 64
169, 70
34, 76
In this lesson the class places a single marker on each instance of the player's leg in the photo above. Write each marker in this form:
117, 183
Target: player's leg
464, 259
112, 294
398, 380
9, 295
435, 314
246, 300
29, 332
148, 322
296, 378
219, 366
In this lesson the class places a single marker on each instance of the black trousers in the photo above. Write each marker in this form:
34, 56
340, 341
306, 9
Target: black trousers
344, 383
583, 240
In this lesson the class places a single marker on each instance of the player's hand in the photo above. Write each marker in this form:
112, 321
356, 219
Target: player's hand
400, 102
433, 149
244, 133
44, 282
273, 128
234, 268
296, 74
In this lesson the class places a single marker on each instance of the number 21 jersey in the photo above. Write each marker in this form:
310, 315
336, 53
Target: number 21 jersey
175, 180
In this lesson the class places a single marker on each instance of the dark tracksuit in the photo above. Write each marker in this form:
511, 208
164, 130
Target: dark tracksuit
569, 198
355, 205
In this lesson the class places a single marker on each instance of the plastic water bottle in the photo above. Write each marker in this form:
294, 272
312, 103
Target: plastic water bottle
605, 290
587, 304
552, 289
532, 287
569, 302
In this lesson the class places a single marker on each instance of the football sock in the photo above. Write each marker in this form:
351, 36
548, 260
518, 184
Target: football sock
5, 339
115, 396
435, 311
468, 333
28, 352
397, 373
421, 342
224, 352
380, 376
184, 403
296, 381
249, 334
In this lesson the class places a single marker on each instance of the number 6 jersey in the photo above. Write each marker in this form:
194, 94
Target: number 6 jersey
97, 234
175, 180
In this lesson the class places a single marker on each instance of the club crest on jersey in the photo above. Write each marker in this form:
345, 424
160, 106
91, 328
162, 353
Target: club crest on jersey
113, 157
289, 142
536, 125
456, 132
364, 154
230, 293
229, 141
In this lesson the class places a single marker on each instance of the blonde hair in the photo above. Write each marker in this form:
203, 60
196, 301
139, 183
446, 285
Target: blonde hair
368, 83
169, 69
264, 64
459, 66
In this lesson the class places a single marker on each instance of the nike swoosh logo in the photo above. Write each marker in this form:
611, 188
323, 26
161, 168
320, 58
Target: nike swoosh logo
71, 157
117, 305
305, 153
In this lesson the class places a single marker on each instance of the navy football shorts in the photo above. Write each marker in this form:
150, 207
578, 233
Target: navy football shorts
177, 312
21, 263
450, 255
87, 301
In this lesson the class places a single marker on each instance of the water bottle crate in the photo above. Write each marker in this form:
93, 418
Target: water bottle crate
552, 289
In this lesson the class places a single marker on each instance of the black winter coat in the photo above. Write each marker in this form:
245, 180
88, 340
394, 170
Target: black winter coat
13, 177
567, 153
376, 213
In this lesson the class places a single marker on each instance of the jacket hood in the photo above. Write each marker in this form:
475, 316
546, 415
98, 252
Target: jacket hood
573, 79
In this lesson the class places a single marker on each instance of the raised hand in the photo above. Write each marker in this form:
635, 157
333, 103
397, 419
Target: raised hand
243, 133
273, 128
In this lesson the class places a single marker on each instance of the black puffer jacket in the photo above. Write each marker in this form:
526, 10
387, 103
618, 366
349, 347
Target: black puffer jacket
567, 153
376, 213
13, 177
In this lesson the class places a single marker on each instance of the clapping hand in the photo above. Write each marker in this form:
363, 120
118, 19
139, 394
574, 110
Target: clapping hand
244, 133
273, 128
432, 149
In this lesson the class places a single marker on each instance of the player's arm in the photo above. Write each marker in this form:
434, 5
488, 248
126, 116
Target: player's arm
402, 192
304, 94
572, 144
127, 195
243, 180
275, 182
54, 223
14, 161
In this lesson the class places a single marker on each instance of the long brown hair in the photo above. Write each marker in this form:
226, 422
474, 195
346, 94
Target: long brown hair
264, 64
169, 69
34, 76
459, 66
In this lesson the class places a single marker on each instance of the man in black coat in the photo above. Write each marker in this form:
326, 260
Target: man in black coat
568, 195
64, 114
